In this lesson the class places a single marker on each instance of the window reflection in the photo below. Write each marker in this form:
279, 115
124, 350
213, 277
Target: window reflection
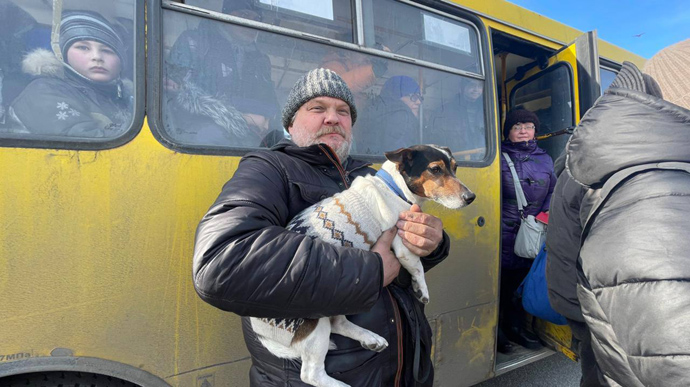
607, 77
218, 86
399, 104
328, 18
412, 32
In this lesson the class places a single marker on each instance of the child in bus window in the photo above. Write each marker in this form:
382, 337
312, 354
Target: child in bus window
81, 95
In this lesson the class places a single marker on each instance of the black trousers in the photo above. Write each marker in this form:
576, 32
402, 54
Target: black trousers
510, 312
582, 343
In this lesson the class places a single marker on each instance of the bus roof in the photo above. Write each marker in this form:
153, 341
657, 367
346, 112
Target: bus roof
521, 18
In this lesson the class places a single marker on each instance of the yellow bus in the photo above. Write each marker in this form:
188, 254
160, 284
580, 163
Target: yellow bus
97, 226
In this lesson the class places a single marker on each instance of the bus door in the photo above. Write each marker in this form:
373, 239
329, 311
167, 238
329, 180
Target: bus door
559, 90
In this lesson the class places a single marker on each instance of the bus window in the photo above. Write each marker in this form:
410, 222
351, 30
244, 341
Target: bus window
550, 96
329, 19
81, 93
415, 33
607, 77
219, 77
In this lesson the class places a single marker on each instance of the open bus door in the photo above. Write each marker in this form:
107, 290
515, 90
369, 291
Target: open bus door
559, 89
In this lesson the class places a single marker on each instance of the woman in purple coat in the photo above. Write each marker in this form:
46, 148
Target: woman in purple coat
534, 168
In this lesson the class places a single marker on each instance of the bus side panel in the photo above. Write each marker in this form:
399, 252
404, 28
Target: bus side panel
465, 345
464, 287
96, 256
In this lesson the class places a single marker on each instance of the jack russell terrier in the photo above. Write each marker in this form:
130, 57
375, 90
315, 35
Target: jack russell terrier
357, 217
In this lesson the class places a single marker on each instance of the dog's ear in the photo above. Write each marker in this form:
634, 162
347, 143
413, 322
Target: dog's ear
401, 156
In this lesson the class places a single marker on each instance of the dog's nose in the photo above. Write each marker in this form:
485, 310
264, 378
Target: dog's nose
468, 197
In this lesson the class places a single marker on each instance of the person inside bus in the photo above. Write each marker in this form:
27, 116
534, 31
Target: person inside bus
623, 284
16, 28
218, 83
359, 71
82, 94
534, 168
459, 122
246, 262
392, 121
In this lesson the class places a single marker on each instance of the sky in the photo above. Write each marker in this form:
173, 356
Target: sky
658, 23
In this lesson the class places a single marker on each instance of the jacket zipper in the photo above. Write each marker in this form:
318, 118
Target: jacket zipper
334, 160
398, 327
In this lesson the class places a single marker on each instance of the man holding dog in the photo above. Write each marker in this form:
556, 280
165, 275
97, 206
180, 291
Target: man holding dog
246, 262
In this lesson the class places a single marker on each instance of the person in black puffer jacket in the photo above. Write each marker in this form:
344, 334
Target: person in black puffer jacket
617, 243
246, 262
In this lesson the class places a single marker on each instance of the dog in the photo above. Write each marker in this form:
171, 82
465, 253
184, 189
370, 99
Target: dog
357, 217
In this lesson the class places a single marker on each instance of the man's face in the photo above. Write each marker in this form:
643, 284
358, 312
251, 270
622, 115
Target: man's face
324, 120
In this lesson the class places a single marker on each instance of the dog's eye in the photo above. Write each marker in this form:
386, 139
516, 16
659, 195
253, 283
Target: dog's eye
435, 170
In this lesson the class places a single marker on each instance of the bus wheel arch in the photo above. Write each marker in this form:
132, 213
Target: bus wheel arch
110, 373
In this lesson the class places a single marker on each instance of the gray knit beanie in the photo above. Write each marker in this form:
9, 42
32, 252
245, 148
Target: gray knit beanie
631, 78
317, 83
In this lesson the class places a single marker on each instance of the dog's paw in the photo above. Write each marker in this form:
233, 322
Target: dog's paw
375, 343
424, 299
421, 293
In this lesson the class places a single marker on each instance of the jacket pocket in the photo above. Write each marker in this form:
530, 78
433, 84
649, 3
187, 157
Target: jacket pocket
312, 193
369, 373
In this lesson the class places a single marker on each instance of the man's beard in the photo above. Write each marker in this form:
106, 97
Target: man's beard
341, 151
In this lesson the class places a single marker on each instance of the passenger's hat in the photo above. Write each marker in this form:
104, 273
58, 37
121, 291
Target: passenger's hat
400, 86
519, 115
78, 26
317, 83
670, 68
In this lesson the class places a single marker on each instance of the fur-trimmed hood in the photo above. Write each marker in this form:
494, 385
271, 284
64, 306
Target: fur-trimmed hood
193, 100
42, 62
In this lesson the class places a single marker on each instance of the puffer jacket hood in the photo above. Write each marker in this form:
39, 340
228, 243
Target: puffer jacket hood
626, 128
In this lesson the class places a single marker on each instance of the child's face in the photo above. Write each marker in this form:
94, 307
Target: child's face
94, 60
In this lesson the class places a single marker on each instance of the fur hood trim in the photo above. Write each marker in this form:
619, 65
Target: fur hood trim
194, 100
43, 62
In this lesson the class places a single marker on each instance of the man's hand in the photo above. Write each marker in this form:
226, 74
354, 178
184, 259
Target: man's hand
391, 265
420, 232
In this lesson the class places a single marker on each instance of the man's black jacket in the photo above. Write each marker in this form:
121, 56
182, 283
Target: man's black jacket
246, 262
